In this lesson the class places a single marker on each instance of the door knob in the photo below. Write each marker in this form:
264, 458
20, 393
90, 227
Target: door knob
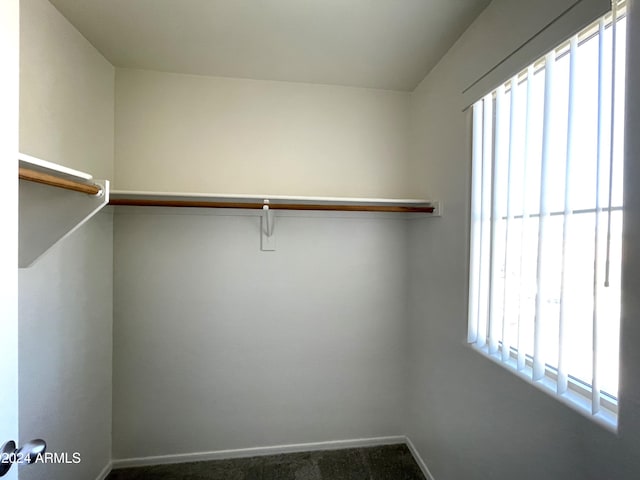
28, 453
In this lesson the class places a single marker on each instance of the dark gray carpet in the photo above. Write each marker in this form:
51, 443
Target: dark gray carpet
390, 462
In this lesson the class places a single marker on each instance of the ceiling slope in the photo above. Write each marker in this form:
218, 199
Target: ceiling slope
386, 44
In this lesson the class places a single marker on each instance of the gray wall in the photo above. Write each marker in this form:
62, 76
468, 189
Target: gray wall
65, 332
254, 136
65, 298
66, 93
469, 417
218, 345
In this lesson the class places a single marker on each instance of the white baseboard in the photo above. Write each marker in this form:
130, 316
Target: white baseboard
257, 451
418, 459
105, 471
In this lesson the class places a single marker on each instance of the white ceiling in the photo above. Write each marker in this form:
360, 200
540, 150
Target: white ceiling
388, 44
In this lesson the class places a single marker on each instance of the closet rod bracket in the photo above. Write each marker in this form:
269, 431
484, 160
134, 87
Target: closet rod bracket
267, 238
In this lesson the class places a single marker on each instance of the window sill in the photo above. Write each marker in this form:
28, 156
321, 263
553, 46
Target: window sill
577, 396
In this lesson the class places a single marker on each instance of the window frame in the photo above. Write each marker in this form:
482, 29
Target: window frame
579, 393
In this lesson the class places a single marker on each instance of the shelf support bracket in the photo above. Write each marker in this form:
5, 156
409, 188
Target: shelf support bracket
267, 238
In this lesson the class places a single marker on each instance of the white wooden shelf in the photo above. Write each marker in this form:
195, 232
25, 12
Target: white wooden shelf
274, 202
54, 201
37, 164
269, 203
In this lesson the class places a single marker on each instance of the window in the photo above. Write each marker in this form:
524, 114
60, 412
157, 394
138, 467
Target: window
546, 219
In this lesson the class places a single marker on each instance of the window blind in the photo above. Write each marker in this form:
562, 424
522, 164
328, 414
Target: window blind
546, 216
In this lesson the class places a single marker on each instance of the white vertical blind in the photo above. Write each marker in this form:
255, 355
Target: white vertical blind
595, 397
498, 170
563, 378
544, 155
525, 239
485, 220
539, 353
510, 288
614, 14
476, 204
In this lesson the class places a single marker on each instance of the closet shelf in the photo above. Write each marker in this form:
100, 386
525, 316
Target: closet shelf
274, 202
54, 181
54, 201
27, 161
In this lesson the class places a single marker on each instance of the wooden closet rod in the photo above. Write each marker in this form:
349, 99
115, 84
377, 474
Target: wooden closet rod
272, 206
52, 180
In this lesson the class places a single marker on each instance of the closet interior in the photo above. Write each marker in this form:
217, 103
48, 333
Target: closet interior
260, 266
